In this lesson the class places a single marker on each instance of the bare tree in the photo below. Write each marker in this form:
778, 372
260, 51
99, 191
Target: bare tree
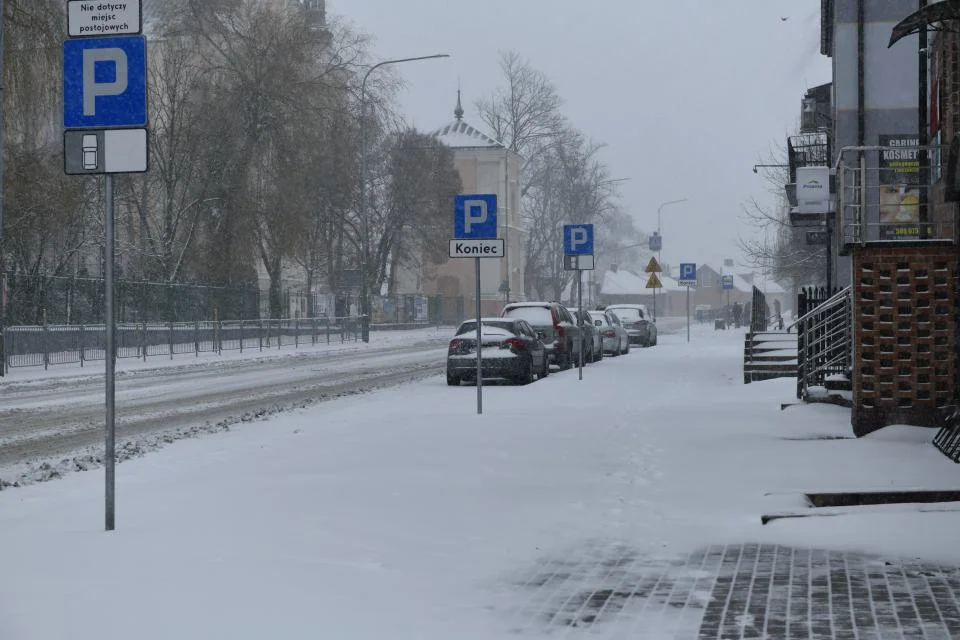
318, 180
169, 201
782, 251
43, 208
414, 218
525, 110
571, 186
267, 63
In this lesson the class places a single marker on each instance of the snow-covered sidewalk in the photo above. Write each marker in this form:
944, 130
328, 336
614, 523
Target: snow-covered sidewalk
405, 514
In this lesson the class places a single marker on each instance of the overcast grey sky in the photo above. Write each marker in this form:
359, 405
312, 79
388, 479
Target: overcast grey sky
687, 94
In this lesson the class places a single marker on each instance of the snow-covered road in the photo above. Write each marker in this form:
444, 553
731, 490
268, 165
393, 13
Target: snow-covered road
45, 417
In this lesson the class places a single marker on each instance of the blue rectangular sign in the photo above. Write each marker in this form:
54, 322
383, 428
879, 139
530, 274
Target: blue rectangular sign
656, 242
727, 282
688, 271
578, 239
475, 217
105, 82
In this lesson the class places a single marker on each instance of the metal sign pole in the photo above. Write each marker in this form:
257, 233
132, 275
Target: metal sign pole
580, 315
110, 444
688, 313
479, 343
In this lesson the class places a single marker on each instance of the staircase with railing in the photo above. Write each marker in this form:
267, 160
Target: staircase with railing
824, 343
769, 351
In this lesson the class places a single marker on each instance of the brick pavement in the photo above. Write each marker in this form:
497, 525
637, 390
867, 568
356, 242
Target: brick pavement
741, 591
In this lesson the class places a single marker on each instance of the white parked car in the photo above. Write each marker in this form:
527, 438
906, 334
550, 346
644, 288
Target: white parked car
615, 339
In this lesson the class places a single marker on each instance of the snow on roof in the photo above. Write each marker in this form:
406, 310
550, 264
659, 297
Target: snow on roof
461, 135
623, 282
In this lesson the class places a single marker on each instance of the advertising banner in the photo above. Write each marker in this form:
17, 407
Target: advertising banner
900, 187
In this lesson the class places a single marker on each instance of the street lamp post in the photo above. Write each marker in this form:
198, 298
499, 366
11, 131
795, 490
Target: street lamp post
364, 223
659, 233
659, 256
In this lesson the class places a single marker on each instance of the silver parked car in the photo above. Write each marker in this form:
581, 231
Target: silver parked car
556, 327
637, 322
590, 334
615, 338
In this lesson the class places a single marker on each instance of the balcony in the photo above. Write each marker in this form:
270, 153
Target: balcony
884, 196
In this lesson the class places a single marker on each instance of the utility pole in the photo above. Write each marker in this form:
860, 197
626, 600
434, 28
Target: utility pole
3, 263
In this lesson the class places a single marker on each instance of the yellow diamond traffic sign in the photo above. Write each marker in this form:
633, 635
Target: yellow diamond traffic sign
654, 282
653, 267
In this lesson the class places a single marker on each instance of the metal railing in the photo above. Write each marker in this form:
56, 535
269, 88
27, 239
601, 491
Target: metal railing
759, 312
884, 195
46, 345
824, 341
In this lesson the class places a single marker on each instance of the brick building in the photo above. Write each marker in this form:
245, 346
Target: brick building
894, 103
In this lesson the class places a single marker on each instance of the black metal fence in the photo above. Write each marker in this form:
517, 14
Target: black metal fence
759, 312
46, 345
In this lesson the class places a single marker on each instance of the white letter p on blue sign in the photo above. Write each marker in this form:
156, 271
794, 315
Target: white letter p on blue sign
578, 239
475, 217
93, 89
474, 213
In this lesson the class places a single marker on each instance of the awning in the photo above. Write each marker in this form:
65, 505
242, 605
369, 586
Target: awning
936, 12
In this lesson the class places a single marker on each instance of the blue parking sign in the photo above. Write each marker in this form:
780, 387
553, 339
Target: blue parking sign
475, 217
577, 239
688, 271
105, 82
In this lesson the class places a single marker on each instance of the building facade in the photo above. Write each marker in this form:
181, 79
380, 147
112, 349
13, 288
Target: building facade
485, 165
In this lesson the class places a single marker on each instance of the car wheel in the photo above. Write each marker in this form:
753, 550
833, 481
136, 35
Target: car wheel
527, 376
626, 349
546, 367
453, 381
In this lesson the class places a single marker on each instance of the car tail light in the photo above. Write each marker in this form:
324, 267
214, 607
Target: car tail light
556, 326
456, 344
609, 333
512, 343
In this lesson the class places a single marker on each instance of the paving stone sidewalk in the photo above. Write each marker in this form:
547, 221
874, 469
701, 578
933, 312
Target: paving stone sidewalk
742, 591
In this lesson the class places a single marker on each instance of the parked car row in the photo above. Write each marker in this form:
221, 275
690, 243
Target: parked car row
527, 338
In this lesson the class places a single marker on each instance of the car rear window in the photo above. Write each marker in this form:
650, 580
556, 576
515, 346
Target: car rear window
472, 326
537, 316
627, 314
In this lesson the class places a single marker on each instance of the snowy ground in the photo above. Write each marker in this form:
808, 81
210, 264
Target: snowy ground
404, 514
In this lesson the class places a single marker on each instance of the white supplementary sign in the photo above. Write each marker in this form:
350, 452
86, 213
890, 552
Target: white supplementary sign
105, 151
96, 18
493, 248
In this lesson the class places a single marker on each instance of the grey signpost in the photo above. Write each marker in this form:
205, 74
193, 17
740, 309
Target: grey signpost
475, 236
727, 283
688, 279
105, 132
578, 256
